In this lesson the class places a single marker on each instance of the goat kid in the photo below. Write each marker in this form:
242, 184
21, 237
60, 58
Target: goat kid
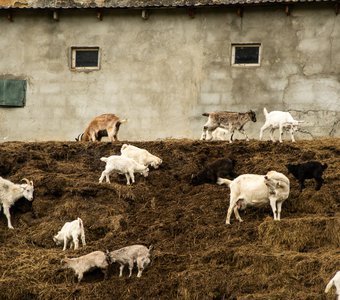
230, 121
70, 232
11, 192
85, 263
122, 165
281, 120
308, 170
129, 255
141, 156
219, 168
103, 125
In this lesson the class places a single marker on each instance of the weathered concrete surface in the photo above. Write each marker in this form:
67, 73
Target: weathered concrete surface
163, 73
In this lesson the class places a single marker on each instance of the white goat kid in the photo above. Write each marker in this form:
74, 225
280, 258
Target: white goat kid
220, 134
336, 282
122, 165
129, 255
82, 264
252, 189
281, 120
141, 156
11, 192
70, 232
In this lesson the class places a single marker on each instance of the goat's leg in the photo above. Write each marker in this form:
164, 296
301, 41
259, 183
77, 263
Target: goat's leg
280, 133
132, 176
271, 134
130, 267
302, 184
230, 210
273, 206
121, 268
244, 133
140, 265
102, 177
291, 130
279, 206
8, 216
265, 126
127, 176
111, 133
237, 215
318, 183
65, 243
76, 242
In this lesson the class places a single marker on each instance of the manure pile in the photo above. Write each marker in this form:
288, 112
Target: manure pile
195, 255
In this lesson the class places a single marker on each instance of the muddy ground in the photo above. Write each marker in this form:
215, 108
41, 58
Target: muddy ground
195, 256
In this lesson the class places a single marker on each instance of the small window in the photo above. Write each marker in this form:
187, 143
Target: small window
85, 58
246, 54
13, 92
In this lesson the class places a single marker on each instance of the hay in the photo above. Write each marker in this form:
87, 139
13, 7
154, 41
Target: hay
195, 256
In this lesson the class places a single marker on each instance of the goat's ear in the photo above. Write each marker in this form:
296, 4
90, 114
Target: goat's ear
302, 121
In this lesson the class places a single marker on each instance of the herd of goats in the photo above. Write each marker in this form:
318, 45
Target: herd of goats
245, 190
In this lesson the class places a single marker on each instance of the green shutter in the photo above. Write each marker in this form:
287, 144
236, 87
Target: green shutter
12, 92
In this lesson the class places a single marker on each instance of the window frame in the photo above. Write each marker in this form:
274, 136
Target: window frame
73, 52
233, 54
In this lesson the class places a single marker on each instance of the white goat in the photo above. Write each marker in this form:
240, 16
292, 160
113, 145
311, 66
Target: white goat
82, 264
336, 282
141, 156
70, 232
11, 192
252, 189
228, 120
219, 134
129, 255
122, 165
282, 120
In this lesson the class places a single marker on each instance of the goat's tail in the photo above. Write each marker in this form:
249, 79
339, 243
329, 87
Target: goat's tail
324, 166
329, 286
265, 112
225, 181
206, 114
103, 159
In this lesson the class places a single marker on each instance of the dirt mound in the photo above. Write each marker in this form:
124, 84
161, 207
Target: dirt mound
195, 256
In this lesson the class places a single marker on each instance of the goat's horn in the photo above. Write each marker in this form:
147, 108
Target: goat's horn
26, 180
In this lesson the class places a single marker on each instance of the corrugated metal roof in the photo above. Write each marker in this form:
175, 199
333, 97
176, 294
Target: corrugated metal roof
5, 4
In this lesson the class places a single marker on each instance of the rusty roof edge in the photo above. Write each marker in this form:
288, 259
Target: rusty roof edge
155, 5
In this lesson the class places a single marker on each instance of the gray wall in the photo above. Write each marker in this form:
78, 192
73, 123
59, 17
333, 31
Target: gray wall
162, 73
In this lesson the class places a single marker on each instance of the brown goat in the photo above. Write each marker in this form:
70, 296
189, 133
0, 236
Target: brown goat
103, 125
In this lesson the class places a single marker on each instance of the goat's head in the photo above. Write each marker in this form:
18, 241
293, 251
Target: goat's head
156, 163
252, 115
28, 189
145, 172
56, 240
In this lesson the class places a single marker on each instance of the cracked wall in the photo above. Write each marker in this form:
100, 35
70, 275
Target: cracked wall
164, 72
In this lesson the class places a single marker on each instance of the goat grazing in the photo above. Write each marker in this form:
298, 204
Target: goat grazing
252, 189
129, 255
219, 168
141, 156
336, 282
122, 165
228, 120
308, 170
71, 232
103, 125
279, 119
82, 264
11, 192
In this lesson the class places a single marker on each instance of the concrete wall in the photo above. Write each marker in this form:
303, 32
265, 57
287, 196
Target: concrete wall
162, 73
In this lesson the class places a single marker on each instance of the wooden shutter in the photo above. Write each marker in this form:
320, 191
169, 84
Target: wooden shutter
13, 92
